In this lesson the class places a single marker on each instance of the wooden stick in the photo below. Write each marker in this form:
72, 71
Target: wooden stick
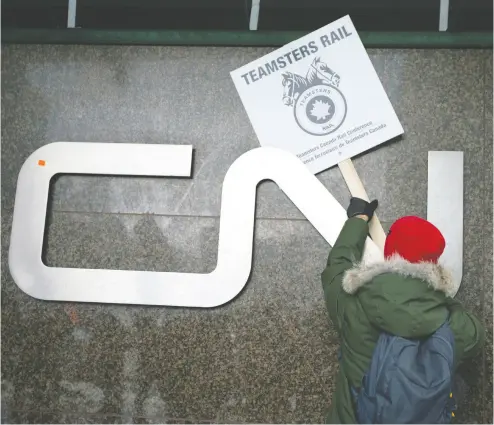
357, 190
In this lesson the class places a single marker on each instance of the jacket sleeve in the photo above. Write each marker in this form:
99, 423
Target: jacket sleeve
468, 331
347, 250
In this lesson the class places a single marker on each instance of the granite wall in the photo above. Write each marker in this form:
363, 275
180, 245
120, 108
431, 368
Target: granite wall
269, 355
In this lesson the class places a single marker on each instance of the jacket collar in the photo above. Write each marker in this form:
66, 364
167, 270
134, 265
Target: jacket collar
435, 275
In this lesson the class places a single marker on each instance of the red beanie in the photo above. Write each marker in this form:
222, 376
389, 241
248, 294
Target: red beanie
415, 240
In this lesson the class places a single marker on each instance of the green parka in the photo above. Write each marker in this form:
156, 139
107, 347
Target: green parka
404, 299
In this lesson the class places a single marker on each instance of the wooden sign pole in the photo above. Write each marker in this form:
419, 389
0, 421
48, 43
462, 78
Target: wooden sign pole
357, 190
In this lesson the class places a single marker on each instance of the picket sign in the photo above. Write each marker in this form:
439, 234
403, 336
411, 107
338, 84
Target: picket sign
319, 97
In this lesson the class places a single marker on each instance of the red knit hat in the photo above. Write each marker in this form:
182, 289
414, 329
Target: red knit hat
415, 240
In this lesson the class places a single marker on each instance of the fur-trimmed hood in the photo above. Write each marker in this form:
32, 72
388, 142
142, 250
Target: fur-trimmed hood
435, 275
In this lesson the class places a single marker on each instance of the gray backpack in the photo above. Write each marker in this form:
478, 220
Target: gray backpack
408, 381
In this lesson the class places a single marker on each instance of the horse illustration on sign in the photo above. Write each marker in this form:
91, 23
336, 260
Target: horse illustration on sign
318, 105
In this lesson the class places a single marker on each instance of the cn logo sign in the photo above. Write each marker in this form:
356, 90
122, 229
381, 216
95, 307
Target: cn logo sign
236, 222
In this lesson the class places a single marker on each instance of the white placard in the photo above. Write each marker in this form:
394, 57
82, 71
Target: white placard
318, 97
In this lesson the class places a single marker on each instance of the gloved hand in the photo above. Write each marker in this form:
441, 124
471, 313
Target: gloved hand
360, 207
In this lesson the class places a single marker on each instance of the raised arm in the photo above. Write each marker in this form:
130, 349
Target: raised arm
347, 250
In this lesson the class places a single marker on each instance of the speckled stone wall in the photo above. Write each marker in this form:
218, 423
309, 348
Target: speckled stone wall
269, 355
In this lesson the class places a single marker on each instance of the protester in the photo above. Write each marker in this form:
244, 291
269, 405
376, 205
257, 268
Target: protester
402, 335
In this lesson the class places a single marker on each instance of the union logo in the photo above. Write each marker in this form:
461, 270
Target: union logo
318, 105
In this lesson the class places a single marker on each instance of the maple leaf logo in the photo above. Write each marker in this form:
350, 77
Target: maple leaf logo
320, 110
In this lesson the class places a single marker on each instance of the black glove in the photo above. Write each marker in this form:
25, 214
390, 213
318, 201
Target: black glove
360, 207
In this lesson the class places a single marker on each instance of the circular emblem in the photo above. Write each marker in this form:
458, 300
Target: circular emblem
320, 110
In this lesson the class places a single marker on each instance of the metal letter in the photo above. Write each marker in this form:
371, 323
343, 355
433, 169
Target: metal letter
445, 206
161, 288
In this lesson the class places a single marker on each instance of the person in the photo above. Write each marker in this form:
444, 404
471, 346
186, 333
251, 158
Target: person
408, 295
